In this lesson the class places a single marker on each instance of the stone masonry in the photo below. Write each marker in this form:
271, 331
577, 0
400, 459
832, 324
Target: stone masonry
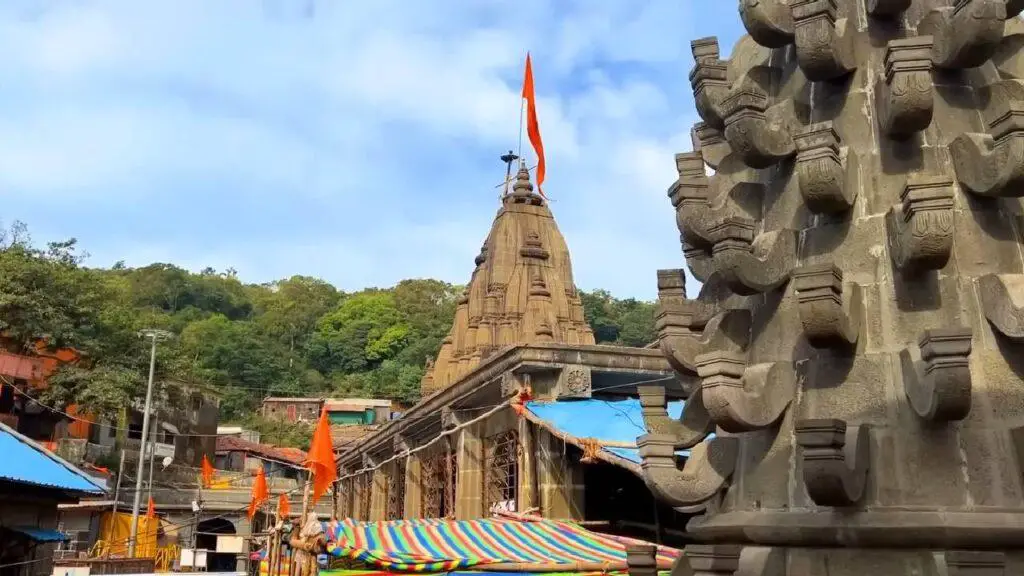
857, 341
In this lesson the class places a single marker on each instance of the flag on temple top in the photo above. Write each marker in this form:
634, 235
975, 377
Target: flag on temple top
207, 472
260, 492
320, 461
151, 509
283, 508
532, 127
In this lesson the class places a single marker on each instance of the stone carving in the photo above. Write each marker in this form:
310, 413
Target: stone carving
671, 285
966, 34
758, 133
692, 426
729, 559
835, 460
1002, 300
741, 398
709, 80
887, 8
906, 95
576, 382
690, 197
752, 265
710, 142
992, 164
920, 228
703, 476
688, 329
823, 172
769, 22
824, 48
937, 376
831, 314
974, 563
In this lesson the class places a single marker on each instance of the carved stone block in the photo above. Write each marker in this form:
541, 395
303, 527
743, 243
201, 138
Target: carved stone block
690, 328
693, 425
705, 473
574, 382
966, 34
741, 398
748, 265
920, 228
824, 48
671, 285
937, 376
709, 80
835, 460
710, 142
713, 559
975, 563
1002, 301
760, 136
906, 98
769, 22
992, 164
831, 317
826, 179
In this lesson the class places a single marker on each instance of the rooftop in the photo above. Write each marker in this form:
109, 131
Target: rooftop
26, 462
283, 454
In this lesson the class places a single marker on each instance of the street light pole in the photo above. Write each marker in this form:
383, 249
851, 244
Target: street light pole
154, 335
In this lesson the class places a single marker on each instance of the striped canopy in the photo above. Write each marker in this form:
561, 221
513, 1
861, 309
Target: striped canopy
444, 545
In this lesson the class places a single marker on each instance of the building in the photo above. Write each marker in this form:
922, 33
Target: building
292, 409
519, 333
239, 455
33, 481
341, 411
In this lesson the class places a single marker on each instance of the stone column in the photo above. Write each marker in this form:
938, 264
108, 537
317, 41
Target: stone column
469, 485
527, 466
379, 496
559, 482
413, 487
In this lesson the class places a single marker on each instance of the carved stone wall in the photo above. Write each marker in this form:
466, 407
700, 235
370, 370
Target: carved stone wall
857, 339
521, 291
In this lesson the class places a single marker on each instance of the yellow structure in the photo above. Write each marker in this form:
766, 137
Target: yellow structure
521, 291
116, 529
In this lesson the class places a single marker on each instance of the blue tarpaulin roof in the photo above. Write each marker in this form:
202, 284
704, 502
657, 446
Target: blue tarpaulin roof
26, 462
39, 534
608, 420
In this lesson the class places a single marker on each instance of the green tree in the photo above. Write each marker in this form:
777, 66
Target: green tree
289, 309
365, 329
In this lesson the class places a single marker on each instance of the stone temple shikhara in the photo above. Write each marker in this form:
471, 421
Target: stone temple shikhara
857, 397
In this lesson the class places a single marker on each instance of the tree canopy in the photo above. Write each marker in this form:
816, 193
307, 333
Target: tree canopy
298, 336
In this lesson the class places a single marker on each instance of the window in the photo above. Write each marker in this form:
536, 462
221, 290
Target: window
501, 471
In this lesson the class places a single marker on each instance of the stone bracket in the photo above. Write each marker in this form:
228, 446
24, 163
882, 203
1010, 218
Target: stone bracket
966, 34
709, 80
974, 563
685, 330
671, 285
1002, 301
742, 398
920, 228
752, 265
831, 313
906, 94
730, 559
835, 459
703, 476
937, 376
761, 135
825, 170
824, 46
769, 22
710, 142
887, 8
992, 164
692, 426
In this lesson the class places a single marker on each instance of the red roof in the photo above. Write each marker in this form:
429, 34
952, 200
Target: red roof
280, 453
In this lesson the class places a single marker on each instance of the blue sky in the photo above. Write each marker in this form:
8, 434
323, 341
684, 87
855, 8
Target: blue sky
356, 141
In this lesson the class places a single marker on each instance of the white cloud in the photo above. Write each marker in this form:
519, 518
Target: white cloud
356, 141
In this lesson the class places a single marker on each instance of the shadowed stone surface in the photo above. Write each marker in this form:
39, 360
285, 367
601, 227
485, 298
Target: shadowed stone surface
859, 339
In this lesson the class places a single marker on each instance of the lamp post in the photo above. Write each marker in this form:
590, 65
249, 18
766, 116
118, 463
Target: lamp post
154, 335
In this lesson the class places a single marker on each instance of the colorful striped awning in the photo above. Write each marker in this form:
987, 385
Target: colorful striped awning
444, 545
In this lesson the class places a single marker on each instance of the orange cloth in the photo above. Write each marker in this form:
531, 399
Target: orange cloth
283, 508
151, 509
260, 492
532, 126
320, 461
207, 471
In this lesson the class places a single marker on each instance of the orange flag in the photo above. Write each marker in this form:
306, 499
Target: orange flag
532, 127
320, 461
207, 472
151, 509
260, 492
283, 508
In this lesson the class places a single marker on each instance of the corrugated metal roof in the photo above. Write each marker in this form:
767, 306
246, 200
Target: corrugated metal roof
607, 420
26, 462
40, 534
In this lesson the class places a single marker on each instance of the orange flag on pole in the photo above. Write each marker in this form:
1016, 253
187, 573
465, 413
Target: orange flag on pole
320, 461
532, 127
207, 472
151, 509
260, 492
283, 508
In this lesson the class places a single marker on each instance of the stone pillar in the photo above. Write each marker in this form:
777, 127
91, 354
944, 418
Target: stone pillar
559, 482
469, 485
527, 466
413, 487
379, 496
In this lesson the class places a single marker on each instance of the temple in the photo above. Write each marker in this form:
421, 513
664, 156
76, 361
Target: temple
521, 411
857, 340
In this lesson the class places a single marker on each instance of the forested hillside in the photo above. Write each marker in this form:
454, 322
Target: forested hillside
298, 336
